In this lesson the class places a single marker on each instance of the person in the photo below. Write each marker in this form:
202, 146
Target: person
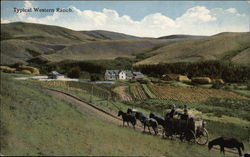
185, 111
171, 113
184, 116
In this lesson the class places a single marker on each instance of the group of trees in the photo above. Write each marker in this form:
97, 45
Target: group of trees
228, 71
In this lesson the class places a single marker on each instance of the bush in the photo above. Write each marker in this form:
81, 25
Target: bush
95, 77
74, 72
217, 85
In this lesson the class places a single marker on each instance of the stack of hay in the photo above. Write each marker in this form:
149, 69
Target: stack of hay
183, 78
28, 69
201, 80
176, 77
7, 69
219, 81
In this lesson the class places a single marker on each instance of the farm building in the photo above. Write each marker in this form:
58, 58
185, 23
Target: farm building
122, 75
115, 75
55, 75
138, 75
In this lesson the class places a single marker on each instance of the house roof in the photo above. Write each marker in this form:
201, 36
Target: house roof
114, 72
137, 73
56, 73
129, 74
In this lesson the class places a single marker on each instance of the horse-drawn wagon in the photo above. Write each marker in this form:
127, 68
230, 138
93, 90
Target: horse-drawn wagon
189, 129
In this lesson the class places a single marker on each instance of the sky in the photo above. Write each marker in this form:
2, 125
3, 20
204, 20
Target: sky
139, 18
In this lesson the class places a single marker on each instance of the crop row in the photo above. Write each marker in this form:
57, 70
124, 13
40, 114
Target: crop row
137, 92
148, 92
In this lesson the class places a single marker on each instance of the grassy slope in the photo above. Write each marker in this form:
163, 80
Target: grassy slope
24, 41
103, 50
220, 46
107, 35
34, 123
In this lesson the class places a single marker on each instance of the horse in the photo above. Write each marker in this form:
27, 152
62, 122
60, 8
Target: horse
127, 118
160, 120
147, 122
228, 143
131, 111
246, 155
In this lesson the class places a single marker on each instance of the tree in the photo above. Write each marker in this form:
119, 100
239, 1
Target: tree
74, 72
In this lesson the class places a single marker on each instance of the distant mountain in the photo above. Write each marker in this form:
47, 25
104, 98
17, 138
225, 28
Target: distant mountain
107, 35
181, 36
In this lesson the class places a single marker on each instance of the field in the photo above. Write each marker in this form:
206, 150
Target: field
137, 92
34, 122
191, 94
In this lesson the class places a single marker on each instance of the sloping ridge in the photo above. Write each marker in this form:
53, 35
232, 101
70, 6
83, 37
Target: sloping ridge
181, 36
223, 46
107, 35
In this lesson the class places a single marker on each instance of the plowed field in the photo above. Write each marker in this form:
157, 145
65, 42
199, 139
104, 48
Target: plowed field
191, 94
121, 91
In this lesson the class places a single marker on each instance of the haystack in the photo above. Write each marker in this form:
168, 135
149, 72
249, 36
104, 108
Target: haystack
29, 68
201, 80
7, 69
25, 71
220, 81
183, 78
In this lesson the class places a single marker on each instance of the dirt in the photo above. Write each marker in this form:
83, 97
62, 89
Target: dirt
121, 91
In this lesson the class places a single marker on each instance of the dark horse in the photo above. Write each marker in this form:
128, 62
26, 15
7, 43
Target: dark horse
160, 120
147, 122
226, 142
127, 118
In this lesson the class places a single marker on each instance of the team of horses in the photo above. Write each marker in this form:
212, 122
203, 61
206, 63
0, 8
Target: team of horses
170, 128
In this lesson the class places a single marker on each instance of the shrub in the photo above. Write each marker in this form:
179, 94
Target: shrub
74, 72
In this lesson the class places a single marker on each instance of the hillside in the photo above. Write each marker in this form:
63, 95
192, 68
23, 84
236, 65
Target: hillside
36, 43
37, 122
103, 50
223, 46
181, 36
25, 42
107, 35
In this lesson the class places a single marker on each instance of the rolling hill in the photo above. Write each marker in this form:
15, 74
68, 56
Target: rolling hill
181, 36
223, 46
107, 35
26, 42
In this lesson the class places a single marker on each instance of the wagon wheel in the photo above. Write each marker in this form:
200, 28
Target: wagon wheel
202, 137
190, 136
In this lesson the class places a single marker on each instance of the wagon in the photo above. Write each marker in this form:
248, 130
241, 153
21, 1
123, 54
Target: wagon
192, 130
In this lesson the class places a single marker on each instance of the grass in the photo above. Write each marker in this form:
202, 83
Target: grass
35, 123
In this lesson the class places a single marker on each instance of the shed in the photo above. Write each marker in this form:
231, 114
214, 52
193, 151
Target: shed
55, 75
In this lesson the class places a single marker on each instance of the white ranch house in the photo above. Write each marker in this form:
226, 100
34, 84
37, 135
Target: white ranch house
122, 75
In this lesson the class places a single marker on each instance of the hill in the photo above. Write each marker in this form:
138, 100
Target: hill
26, 42
107, 35
35, 43
223, 46
181, 36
